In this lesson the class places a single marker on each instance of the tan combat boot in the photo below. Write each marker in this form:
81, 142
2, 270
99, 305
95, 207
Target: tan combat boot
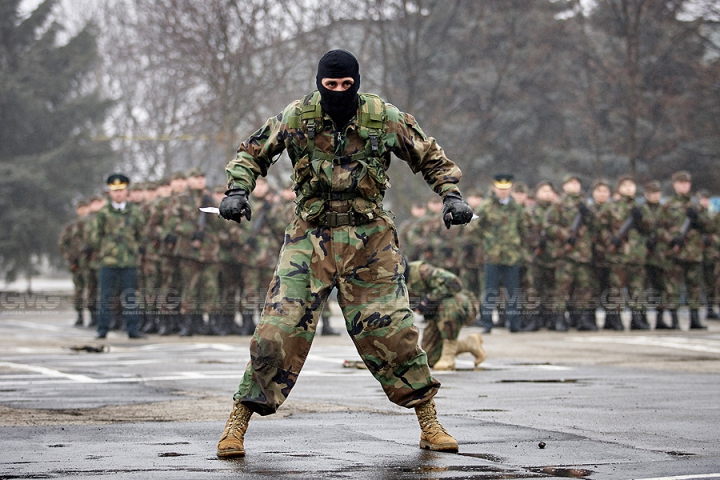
433, 436
473, 344
447, 357
231, 441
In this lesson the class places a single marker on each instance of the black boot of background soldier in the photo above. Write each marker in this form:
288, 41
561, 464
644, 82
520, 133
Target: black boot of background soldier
695, 320
248, 325
639, 321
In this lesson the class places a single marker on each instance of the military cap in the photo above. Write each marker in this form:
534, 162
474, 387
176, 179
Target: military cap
473, 192
164, 182
703, 193
195, 172
682, 176
652, 186
221, 188
178, 175
137, 186
599, 182
117, 181
151, 185
520, 187
503, 181
570, 176
542, 183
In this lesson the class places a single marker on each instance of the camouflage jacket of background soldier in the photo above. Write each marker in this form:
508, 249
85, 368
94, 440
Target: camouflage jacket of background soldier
261, 246
611, 218
116, 235
599, 248
195, 231
657, 243
434, 284
156, 228
501, 229
558, 228
73, 244
418, 238
536, 235
152, 243
674, 213
711, 241
333, 167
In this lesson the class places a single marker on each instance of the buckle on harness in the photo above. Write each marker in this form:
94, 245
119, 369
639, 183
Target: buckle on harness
335, 219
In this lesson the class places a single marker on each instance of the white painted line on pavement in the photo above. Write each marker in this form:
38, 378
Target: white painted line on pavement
685, 477
678, 343
49, 372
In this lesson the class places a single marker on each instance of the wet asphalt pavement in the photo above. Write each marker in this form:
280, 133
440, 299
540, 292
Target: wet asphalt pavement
603, 405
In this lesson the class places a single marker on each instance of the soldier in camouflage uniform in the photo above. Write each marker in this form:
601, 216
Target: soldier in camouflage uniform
542, 263
500, 228
656, 263
527, 300
711, 257
439, 296
93, 262
73, 248
624, 226
570, 227
195, 245
408, 232
684, 225
340, 144
117, 236
470, 252
601, 194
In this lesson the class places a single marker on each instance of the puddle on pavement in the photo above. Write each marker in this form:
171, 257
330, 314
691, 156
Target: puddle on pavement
484, 456
172, 454
680, 454
554, 380
489, 472
562, 472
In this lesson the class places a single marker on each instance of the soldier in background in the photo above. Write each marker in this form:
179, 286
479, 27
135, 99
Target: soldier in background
711, 257
409, 235
470, 251
624, 226
116, 236
150, 264
93, 262
500, 227
656, 262
440, 298
422, 238
570, 228
684, 225
601, 194
137, 196
542, 262
73, 247
519, 193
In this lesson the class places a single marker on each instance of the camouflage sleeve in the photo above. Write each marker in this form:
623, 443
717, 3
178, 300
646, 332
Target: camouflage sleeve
441, 284
257, 153
97, 228
408, 142
64, 240
552, 226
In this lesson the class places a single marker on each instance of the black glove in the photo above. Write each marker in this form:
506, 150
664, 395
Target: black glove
583, 209
171, 239
252, 243
677, 242
427, 307
572, 241
235, 205
455, 211
651, 243
692, 214
616, 242
199, 235
636, 214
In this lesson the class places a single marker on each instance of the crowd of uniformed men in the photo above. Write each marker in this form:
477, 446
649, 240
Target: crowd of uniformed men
541, 258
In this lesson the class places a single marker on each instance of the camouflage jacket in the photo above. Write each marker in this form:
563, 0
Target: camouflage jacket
558, 228
73, 244
599, 248
260, 246
418, 243
633, 249
674, 213
656, 255
470, 249
333, 165
93, 261
194, 230
501, 229
536, 236
116, 235
711, 241
156, 227
435, 284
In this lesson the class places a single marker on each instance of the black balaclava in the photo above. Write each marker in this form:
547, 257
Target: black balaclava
341, 106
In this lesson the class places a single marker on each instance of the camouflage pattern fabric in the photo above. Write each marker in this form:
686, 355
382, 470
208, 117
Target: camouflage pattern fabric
501, 229
200, 290
455, 306
685, 273
117, 235
541, 276
73, 247
672, 218
558, 228
365, 265
575, 287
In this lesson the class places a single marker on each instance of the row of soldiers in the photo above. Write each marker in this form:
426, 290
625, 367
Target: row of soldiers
561, 255
194, 270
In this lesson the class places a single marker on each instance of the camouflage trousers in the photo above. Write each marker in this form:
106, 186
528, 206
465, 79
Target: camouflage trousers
627, 287
575, 286
171, 285
543, 277
200, 292
255, 281
684, 273
152, 298
365, 265
452, 314
79, 282
711, 282
93, 289
655, 281
230, 287
472, 278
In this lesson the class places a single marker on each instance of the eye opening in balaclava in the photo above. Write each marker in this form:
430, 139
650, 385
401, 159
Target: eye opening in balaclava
341, 106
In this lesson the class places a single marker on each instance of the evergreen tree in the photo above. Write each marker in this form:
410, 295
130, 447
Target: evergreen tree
49, 111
